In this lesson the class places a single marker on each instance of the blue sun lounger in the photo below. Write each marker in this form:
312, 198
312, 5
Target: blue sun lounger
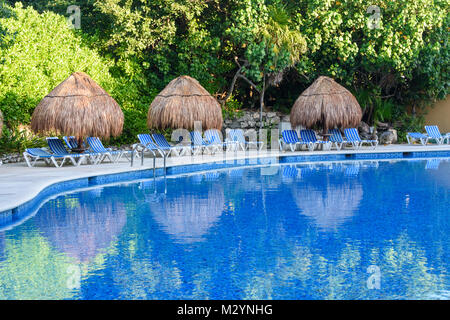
309, 136
337, 139
237, 136
434, 134
163, 144
148, 144
200, 145
72, 143
352, 136
96, 146
213, 136
58, 148
290, 138
33, 155
417, 136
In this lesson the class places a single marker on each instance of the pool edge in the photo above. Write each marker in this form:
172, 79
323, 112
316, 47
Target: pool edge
16, 213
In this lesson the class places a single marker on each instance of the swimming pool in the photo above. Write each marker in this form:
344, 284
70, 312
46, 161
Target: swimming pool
343, 230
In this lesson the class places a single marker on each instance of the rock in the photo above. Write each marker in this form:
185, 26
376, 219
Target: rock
275, 120
389, 137
381, 126
364, 128
286, 119
11, 158
234, 125
251, 120
246, 117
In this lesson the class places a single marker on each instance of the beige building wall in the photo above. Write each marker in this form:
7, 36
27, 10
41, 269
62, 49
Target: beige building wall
439, 114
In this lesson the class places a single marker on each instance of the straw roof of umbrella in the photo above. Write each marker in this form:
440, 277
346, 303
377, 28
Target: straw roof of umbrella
78, 107
182, 102
326, 103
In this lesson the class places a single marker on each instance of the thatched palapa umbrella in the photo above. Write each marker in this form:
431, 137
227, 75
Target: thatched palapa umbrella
326, 103
78, 107
182, 102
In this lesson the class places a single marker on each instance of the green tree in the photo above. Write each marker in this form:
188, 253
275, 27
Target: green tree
265, 43
163, 38
404, 59
38, 52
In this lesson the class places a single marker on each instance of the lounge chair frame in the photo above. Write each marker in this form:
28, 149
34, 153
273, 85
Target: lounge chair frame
164, 145
213, 137
33, 155
309, 136
411, 137
353, 138
290, 138
199, 145
434, 134
237, 136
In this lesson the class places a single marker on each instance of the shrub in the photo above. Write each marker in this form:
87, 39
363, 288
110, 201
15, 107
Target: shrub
38, 51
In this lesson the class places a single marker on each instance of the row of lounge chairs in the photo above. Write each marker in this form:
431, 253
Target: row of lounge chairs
432, 134
290, 138
210, 143
60, 152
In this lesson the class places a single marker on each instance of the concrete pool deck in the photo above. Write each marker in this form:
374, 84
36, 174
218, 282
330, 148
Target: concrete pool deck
20, 184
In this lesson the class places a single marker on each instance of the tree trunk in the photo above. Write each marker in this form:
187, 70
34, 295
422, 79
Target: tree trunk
325, 131
231, 89
261, 102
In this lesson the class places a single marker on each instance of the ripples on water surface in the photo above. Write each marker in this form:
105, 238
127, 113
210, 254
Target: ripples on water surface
300, 232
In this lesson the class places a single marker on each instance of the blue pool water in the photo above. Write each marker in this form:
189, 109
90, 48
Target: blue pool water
355, 230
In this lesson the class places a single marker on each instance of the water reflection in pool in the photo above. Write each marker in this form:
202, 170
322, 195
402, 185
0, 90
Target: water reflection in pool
303, 232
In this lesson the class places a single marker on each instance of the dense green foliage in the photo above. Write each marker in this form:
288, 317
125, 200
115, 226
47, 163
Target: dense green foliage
37, 52
134, 48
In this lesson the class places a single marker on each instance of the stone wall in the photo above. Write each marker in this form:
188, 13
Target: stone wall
11, 158
251, 120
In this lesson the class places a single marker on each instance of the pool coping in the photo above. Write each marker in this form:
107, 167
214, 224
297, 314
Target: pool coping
16, 212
